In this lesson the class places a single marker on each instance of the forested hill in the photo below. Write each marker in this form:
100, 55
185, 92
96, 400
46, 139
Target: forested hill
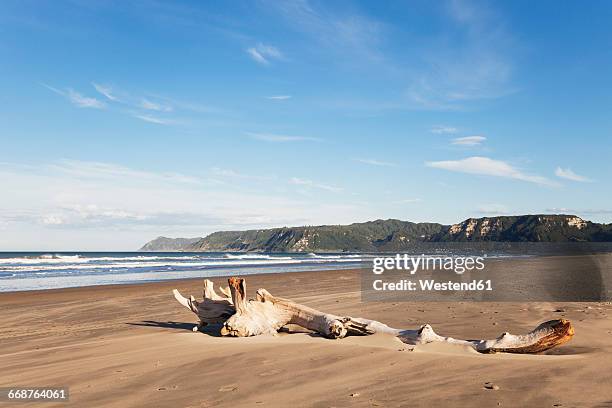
392, 235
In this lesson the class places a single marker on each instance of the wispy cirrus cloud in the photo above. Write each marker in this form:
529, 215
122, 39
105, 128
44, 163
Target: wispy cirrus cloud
469, 140
568, 174
84, 205
584, 211
489, 167
408, 201
275, 138
442, 129
106, 91
279, 97
264, 54
139, 108
84, 101
91, 169
480, 67
309, 183
96, 216
493, 209
154, 119
374, 162
78, 99
341, 31
147, 103
154, 106
468, 59
232, 174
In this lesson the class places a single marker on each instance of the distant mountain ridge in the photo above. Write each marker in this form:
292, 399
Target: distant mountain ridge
527, 228
392, 235
161, 244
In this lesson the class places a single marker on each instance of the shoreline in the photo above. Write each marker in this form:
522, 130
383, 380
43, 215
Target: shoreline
602, 258
160, 282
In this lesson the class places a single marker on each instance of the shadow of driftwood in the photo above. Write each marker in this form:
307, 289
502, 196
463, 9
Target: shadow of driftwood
211, 330
569, 350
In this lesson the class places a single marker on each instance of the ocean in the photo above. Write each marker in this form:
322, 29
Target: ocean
48, 270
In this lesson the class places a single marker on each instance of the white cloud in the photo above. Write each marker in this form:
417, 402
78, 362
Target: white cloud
149, 105
375, 162
138, 104
489, 167
408, 201
309, 183
441, 129
154, 119
586, 211
85, 205
269, 137
279, 97
95, 216
167, 104
263, 54
220, 172
84, 101
52, 220
106, 91
568, 174
479, 67
77, 99
99, 170
468, 57
340, 31
469, 140
493, 209
257, 56
186, 105
224, 172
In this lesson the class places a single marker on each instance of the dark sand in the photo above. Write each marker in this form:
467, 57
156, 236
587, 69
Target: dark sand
132, 346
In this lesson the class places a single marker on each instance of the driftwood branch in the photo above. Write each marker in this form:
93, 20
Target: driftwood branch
267, 314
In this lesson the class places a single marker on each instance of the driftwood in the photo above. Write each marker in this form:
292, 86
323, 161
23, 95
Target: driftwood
267, 314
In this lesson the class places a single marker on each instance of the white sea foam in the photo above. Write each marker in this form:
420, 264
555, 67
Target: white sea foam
25, 272
189, 264
352, 256
247, 256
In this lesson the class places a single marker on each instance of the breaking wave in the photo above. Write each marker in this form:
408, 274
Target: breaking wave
25, 271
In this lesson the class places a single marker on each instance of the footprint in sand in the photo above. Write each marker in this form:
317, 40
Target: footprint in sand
174, 387
202, 404
270, 372
491, 386
228, 388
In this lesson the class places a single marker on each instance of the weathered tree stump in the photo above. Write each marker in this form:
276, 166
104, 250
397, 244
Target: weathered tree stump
267, 314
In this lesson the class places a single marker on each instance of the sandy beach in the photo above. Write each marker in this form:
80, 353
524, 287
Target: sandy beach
132, 346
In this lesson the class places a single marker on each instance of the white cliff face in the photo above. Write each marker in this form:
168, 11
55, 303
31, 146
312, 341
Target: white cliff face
470, 227
455, 228
576, 222
488, 226
303, 243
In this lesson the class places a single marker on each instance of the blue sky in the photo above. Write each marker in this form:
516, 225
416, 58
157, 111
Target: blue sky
122, 121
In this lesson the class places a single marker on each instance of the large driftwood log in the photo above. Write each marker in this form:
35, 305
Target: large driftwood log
267, 314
